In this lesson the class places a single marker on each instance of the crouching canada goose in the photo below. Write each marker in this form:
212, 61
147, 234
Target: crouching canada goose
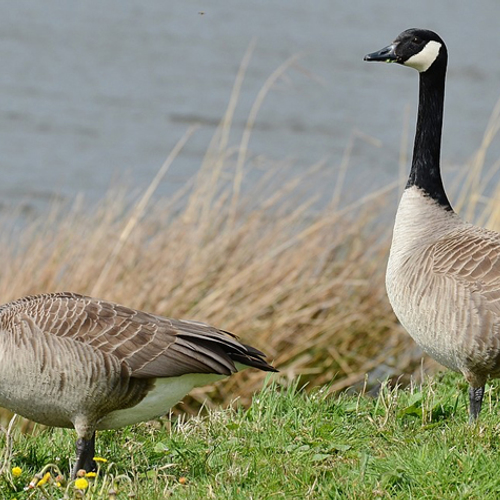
67, 360
443, 275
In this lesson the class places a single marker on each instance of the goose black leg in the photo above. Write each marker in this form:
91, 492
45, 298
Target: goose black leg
475, 400
85, 452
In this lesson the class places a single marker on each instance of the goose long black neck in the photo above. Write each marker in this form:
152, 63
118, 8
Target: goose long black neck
425, 169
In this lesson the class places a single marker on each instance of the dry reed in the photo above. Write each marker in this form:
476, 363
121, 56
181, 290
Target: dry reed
303, 284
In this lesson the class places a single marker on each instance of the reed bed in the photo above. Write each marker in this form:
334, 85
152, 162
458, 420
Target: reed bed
303, 284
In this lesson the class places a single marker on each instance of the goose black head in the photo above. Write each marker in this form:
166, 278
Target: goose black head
416, 48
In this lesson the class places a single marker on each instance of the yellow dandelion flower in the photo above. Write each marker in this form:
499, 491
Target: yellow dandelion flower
183, 480
100, 459
17, 471
81, 483
44, 479
91, 474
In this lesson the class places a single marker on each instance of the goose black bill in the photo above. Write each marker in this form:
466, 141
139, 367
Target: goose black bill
387, 54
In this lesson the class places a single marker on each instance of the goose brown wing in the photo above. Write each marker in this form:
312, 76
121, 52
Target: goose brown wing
152, 346
471, 257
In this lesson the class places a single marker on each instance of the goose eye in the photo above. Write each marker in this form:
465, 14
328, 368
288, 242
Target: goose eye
417, 40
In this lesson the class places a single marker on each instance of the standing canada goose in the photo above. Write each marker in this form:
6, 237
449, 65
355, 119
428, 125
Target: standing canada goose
443, 275
67, 360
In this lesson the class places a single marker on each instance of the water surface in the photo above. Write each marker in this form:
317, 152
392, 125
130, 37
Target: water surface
95, 92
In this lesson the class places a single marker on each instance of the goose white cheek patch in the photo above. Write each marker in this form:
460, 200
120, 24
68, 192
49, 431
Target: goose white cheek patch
424, 59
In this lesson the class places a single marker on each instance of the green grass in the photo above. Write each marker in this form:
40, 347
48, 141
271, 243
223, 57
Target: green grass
290, 444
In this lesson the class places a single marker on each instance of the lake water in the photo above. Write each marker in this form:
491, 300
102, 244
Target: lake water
99, 91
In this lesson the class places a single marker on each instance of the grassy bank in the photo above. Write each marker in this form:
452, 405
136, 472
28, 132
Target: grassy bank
411, 443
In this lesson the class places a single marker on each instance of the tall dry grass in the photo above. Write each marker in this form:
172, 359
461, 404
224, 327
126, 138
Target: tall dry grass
299, 279
304, 285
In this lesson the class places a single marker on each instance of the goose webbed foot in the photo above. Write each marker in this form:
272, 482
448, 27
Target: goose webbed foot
85, 452
475, 401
